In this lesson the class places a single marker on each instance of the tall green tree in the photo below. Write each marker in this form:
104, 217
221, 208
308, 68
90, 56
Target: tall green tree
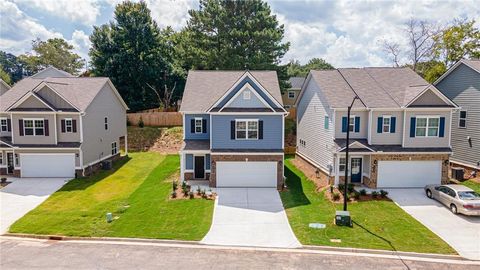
135, 54
12, 65
53, 52
5, 76
461, 40
295, 69
232, 35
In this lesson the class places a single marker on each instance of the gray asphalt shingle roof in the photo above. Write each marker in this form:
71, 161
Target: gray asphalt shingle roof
204, 88
474, 63
296, 82
382, 87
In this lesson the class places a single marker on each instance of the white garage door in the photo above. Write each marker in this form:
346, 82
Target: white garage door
45, 165
408, 173
246, 174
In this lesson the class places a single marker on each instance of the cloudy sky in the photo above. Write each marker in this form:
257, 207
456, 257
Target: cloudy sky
345, 33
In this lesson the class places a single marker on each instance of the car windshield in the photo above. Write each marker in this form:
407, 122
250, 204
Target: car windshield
468, 195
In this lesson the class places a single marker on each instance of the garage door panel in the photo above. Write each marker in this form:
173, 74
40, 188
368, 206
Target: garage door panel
46, 165
408, 173
246, 174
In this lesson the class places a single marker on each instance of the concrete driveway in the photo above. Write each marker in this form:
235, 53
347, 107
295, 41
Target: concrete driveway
23, 195
250, 217
460, 232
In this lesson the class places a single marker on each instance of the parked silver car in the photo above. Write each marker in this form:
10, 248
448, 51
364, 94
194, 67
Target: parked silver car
460, 199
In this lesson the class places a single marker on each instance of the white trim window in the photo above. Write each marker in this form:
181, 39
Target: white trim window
114, 148
247, 94
3, 124
198, 125
106, 123
68, 125
1, 158
291, 94
342, 164
427, 126
246, 129
387, 120
33, 127
351, 124
462, 119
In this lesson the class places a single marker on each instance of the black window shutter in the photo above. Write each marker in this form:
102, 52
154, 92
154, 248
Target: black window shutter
62, 124
204, 125
192, 125
9, 124
260, 130
74, 126
232, 130
45, 127
20, 126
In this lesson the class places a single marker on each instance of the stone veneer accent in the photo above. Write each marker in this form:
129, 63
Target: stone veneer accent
406, 157
322, 175
3, 171
97, 166
251, 158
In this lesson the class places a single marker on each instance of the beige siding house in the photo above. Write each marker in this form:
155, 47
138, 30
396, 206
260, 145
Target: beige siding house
4, 87
290, 96
56, 125
399, 127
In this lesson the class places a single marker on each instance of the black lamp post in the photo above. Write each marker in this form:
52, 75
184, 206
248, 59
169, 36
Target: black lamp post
345, 190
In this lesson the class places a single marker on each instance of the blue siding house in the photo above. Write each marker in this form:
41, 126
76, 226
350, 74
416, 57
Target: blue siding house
233, 129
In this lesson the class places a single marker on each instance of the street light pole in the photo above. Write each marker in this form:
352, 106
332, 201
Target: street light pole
345, 189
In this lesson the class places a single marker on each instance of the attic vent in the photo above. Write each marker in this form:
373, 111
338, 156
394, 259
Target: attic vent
246, 94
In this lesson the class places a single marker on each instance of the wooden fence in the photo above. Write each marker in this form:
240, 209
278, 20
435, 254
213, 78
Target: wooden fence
292, 113
290, 150
157, 119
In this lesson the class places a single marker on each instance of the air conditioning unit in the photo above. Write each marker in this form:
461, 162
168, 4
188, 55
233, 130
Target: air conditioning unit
107, 165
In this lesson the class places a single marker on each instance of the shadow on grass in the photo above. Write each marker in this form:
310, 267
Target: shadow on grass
141, 139
294, 197
84, 182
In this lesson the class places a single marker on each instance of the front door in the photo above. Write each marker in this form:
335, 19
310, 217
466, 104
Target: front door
10, 165
199, 167
356, 170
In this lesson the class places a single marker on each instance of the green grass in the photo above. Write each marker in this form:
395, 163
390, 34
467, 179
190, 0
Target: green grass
137, 192
473, 185
377, 224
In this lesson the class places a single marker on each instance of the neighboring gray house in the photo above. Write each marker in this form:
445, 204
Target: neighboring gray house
4, 87
233, 129
53, 124
461, 83
400, 127
290, 96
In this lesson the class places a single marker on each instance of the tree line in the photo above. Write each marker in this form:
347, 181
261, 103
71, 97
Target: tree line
149, 65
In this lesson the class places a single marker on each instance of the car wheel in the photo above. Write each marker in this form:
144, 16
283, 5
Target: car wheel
453, 208
429, 193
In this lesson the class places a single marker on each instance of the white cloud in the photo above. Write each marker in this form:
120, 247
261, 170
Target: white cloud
83, 11
81, 43
18, 30
172, 13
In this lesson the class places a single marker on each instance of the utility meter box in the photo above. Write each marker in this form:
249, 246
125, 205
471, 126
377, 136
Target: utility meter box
342, 218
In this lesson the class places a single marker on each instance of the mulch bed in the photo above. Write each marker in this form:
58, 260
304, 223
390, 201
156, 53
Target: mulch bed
181, 196
4, 184
363, 198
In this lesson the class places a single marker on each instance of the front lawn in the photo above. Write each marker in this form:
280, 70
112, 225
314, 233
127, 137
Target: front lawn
377, 224
473, 185
136, 192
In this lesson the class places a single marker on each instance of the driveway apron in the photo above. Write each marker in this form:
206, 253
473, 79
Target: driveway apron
461, 232
23, 195
250, 217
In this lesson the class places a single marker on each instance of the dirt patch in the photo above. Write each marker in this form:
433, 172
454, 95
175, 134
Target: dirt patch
163, 140
169, 142
311, 172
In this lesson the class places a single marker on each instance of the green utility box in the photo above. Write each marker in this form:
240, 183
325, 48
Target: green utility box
342, 218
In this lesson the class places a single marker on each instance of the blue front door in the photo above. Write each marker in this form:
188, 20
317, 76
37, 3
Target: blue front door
356, 170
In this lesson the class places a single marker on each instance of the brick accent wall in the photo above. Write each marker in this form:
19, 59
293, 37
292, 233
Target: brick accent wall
189, 176
3, 171
16, 173
98, 166
404, 157
251, 158
310, 171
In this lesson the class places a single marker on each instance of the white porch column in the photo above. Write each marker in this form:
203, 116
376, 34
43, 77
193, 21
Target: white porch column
182, 166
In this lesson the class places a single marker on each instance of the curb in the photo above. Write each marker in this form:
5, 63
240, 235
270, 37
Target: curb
198, 243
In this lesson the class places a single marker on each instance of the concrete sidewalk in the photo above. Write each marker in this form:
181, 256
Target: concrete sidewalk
250, 217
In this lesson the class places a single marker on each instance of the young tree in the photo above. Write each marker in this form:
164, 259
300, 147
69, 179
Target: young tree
13, 66
461, 40
232, 35
53, 52
134, 53
294, 67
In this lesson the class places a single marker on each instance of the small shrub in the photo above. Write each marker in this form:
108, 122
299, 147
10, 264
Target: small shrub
184, 185
336, 196
350, 187
204, 194
174, 185
341, 187
355, 195
363, 192
185, 190
128, 123
141, 124
383, 193
199, 191
331, 189
4, 180
174, 194
374, 194
191, 195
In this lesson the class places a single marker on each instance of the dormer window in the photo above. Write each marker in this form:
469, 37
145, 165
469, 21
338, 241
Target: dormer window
246, 94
